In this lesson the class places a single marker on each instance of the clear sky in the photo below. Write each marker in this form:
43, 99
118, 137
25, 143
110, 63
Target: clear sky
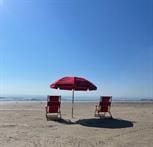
109, 42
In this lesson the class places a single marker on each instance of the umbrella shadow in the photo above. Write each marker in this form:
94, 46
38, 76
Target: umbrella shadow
111, 123
105, 123
62, 121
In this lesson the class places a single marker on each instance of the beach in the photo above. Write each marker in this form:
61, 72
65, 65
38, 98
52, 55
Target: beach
23, 124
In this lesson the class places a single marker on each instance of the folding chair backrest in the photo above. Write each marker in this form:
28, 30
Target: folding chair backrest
50, 104
106, 100
53, 107
53, 103
53, 98
105, 103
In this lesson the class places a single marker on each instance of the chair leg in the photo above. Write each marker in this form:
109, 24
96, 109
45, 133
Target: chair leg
60, 114
110, 114
95, 113
46, 113
104, 114
46, 117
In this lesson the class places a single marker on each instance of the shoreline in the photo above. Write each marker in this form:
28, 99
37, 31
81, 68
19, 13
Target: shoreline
76, 101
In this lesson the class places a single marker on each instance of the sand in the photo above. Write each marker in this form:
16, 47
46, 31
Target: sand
23, 124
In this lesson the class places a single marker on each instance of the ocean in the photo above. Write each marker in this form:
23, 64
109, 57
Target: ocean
69, 98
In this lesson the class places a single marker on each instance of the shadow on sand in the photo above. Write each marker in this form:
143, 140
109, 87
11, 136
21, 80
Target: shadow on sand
105, 123
99, 123
62, 121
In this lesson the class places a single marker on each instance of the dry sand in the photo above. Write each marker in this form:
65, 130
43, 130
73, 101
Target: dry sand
23, 124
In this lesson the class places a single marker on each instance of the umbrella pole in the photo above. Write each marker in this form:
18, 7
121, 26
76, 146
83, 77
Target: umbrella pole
72, 101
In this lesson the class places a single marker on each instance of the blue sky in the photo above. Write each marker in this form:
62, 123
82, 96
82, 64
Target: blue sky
108, 42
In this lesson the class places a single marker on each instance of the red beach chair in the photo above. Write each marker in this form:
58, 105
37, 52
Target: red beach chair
104, 106
53, 106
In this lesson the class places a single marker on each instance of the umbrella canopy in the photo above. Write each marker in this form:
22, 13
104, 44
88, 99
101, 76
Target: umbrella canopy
73, 83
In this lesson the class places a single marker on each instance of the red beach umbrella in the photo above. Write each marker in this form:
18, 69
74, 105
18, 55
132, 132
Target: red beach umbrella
74, 84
